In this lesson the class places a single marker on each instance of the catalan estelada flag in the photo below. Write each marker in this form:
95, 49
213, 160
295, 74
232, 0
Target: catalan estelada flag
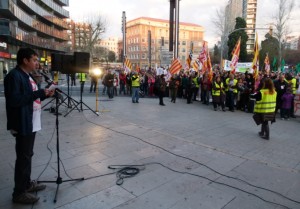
267, 64
255, 62
128, 65
175, 66
235, 56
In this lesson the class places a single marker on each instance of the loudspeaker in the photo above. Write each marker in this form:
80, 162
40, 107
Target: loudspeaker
82, 62
67, 64
56, 62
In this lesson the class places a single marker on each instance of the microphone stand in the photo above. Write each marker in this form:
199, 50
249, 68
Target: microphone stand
59, 180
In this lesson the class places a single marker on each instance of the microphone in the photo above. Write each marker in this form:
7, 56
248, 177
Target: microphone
51, 84
47, 79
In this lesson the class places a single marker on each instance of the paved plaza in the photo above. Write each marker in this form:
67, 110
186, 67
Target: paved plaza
187, 148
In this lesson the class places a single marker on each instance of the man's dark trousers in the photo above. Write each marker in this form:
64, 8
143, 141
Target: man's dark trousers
24, 151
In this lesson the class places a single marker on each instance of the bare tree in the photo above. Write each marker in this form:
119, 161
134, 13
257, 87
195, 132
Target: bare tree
282, 18
222, 29
95, 28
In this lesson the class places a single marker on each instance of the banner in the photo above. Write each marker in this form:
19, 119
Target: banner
241, 67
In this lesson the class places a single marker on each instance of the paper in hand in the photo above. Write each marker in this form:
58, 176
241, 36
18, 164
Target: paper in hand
52, 87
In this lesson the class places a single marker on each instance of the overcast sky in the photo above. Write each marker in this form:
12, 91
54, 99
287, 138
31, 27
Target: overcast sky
193, 11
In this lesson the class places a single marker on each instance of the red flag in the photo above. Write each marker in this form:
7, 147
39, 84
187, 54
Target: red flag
209, 67
235, 56
175, 66
203, 56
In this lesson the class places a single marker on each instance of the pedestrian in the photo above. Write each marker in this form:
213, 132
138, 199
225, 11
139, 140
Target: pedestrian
122, 79
231, 84
82, 79
174, 84
218, 94
286, 105
23, 110
115, 85
73, 79
109, 83
94, 82
4, 72
162, 89
265, 107
135, 87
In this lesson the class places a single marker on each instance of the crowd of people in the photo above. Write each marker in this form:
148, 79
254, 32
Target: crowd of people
224, 89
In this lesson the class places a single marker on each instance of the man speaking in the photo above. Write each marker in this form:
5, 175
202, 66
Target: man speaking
23, 111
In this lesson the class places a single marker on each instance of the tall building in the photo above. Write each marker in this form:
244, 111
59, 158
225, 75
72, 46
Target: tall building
138, 39
246, 9
111, 44
80, 35
40, 25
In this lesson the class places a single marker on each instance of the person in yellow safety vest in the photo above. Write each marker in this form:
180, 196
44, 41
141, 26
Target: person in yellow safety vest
135, 84
292, 82
231, 91
55, 76
195, 81
265, 107
82, 79
218, 94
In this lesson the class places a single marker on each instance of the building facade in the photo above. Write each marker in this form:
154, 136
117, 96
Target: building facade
246, 9
111, 44
80, 35
39, 24
293, 42
138, 41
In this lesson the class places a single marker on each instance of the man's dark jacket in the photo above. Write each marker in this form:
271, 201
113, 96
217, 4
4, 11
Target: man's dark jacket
19, 101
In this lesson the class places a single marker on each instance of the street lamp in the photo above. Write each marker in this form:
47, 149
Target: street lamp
97, 72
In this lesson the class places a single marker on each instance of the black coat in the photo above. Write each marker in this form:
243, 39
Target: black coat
19, 101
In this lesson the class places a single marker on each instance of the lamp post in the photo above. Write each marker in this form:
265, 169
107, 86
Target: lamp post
97, 72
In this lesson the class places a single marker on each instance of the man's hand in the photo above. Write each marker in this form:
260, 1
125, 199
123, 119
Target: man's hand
49, 93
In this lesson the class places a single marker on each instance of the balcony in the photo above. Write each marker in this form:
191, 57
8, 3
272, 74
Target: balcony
8, 29
57, 8
15, 13
62, 2
37, 9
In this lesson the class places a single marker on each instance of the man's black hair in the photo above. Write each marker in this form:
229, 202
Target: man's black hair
25, 53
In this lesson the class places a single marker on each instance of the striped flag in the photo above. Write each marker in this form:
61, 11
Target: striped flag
196, 65
128, 65
255, 63
190, 58
267, 64
235, 56
175, 66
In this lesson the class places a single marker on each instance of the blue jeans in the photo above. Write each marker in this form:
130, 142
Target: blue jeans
135, 94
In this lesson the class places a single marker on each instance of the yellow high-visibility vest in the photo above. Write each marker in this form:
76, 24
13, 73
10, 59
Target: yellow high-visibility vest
217, 92
136, 82
293, 83
81, 76
267, 104
234, 83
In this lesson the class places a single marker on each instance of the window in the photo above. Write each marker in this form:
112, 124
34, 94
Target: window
183, 43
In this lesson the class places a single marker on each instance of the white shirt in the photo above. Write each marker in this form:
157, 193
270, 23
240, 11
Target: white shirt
37, 109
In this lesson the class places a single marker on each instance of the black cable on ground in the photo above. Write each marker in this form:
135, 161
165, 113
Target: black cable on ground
199, 163
136, 167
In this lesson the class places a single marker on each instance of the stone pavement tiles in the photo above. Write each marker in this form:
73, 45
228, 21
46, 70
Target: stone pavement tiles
128, 133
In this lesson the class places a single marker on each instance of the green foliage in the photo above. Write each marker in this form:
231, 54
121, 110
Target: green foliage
271, 46
216, 55
233, 38
111, 56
